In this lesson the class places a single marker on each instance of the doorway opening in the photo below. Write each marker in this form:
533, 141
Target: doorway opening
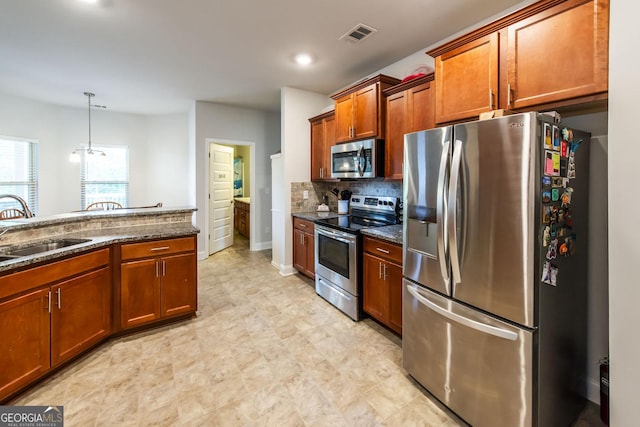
231, 206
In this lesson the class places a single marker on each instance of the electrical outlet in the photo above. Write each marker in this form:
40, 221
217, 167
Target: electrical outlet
305, 194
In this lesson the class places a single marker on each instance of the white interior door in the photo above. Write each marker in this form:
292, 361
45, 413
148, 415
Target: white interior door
220, 197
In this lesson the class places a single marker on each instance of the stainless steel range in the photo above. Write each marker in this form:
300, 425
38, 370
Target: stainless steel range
338, 257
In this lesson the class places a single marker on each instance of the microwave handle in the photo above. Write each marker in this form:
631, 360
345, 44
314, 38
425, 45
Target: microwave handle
360, 159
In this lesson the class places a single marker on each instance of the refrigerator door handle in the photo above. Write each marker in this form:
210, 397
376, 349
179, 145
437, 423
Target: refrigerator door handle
451, 211
478, 326
440, 217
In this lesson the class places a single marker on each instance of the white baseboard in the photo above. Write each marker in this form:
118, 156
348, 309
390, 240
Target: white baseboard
261, 246
283, 269
593, 390
202, 255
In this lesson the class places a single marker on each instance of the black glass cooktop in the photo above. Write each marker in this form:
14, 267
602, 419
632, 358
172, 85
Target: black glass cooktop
352, 223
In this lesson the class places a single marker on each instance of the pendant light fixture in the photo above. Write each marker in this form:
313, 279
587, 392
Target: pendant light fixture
75, 154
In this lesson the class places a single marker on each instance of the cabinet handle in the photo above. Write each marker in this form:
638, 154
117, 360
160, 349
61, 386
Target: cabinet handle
59, 293
379, 270
302, 225
509, 94
384, 272
490, 99
164, 268
321, 173
384, 251
157, 269
161, 248
49, 302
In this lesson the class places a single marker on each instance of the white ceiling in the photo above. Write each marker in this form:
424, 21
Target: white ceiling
158, 56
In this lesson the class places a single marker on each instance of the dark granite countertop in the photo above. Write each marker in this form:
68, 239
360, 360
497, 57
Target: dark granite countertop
98, 237
314, 215
390, 233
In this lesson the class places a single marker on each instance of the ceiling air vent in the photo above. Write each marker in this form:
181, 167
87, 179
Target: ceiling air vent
358, 33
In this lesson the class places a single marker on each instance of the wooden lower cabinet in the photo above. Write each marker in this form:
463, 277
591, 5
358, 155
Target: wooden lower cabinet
80, 314
68, 313
24, 346
304, 247
241, 218
382, 282
157, 287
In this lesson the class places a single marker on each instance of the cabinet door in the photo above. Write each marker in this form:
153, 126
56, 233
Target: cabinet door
394, 280
309, 242
80, 314
24, 342
344, 118
366, 116
467, 80
299, 251
396, 128
559, 54
140, 292
179, 289
329, 141
421, 108
317, 150
375, 290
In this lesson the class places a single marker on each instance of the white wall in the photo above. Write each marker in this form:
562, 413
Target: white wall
296, 107
59, 130
224, 122
624, 211
167, 161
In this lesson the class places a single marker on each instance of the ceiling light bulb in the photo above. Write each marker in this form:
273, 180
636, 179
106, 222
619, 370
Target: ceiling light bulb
303, 59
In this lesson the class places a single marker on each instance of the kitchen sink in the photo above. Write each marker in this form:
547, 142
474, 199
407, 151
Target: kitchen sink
40, 247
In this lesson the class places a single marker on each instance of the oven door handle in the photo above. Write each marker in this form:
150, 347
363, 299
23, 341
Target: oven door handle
335, 236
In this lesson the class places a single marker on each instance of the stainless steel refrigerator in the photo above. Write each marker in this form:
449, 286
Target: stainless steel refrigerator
495, 268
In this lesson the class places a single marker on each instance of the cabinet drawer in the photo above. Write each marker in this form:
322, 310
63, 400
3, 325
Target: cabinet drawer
156, 248
382, 249
34, 277
303, 225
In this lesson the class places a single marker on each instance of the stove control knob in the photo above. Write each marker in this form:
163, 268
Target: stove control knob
390, 203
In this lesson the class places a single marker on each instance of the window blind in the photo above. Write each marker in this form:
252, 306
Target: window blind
19, 171
105, 178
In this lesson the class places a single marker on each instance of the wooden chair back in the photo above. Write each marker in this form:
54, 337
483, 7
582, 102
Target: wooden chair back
11, 213
103, 206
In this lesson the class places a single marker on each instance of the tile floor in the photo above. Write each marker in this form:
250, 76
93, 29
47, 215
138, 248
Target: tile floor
265, 350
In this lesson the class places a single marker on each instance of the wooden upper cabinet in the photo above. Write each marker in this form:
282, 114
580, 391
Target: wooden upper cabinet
467, 80
550, 54
360, 109
323, 136
559, 54
410, 108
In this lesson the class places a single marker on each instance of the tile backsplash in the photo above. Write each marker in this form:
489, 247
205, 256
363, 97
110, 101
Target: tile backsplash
369, 187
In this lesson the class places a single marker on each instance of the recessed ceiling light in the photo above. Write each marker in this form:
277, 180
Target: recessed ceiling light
90, 1
303, 59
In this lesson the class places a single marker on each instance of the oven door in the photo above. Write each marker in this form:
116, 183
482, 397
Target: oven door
336, 258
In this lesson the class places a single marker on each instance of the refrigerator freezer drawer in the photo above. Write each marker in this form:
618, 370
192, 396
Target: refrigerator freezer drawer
478, 366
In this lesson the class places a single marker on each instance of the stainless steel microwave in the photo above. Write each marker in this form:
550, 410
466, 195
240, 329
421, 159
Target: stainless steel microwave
359, 159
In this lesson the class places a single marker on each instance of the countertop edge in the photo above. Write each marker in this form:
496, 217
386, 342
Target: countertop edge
107, 238
389, 233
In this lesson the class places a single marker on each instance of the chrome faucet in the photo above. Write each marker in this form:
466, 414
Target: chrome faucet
25, 208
